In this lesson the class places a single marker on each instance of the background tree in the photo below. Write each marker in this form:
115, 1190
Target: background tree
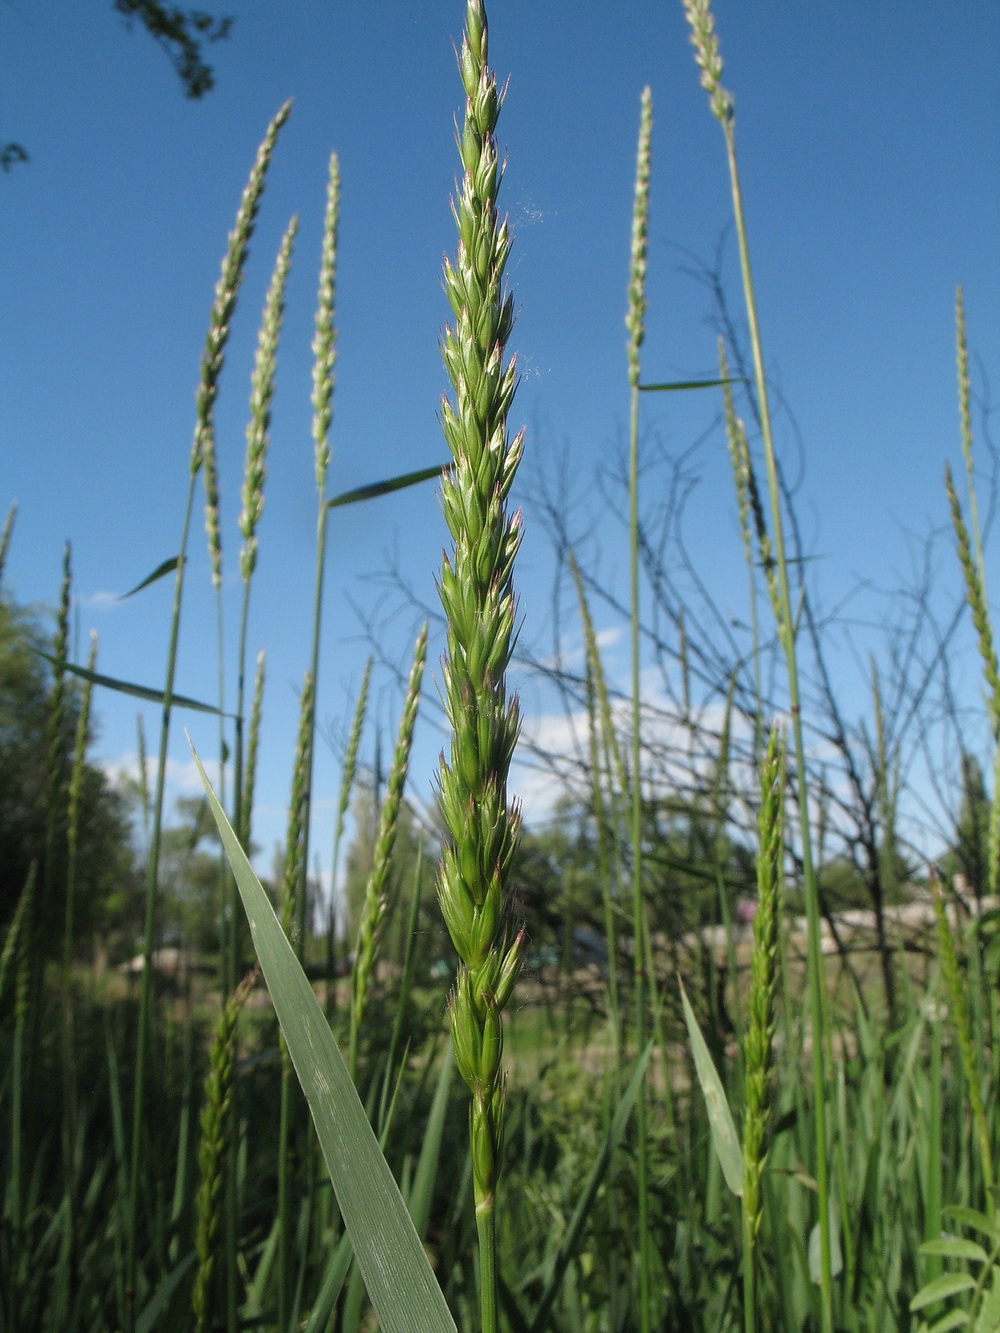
106, 873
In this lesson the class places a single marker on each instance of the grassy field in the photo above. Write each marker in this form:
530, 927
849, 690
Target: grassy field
801, 1136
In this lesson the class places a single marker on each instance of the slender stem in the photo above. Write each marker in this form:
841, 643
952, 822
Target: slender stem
635, 324
786, 630
488, 1286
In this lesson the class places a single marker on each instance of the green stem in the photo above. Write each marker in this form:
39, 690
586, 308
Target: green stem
146, 984
786, 630
488, 1287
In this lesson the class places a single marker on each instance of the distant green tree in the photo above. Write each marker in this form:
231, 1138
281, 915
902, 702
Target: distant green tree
106, 875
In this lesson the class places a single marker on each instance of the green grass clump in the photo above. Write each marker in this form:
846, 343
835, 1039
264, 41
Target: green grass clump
801, 1137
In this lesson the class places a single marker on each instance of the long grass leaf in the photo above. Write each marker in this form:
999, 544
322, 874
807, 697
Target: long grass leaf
687, 384
720, 1117
377, 488
161, 571
390, 1256
127, 687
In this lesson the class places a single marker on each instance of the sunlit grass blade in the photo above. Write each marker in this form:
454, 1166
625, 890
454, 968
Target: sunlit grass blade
377, 488
127, 686
720, 1117
161, 571
675, 385
392, 1261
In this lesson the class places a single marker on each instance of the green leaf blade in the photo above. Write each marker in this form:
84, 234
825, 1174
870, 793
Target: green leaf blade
378, 488
392, 1261
128, 687
161, 571
720, 1117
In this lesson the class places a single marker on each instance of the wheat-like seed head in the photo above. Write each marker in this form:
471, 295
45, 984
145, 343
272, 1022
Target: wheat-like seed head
376, 902
976, 597
215, 1113
227, 289
294, 845
324, 342
763, 973
636, 316
262, 391
253, 744
476, 590
706, 47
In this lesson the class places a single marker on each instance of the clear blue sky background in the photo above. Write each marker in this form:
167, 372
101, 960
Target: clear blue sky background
869, 137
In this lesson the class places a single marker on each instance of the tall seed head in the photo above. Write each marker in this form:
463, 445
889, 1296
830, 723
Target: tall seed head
706, 49
261, 393
226, 291
324, 342
477, 594
763, 972
636, 317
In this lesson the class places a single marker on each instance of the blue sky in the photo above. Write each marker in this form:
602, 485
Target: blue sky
869, 140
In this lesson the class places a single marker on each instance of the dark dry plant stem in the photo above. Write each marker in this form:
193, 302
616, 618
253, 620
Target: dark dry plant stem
477, 594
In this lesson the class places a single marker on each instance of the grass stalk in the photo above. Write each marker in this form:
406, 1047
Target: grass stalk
956, 987
347, 774
293, 878
709, 60
635, 325
324, 354
226, 292
213, 1149
739, 455
5, 536
759, 1041
70, 1107
476, 589
376, 901
596, 693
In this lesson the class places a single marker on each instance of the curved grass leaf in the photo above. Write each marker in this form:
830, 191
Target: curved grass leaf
159, 572
687, 384
377, 488
720, 1118
391, 1259
126, 687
